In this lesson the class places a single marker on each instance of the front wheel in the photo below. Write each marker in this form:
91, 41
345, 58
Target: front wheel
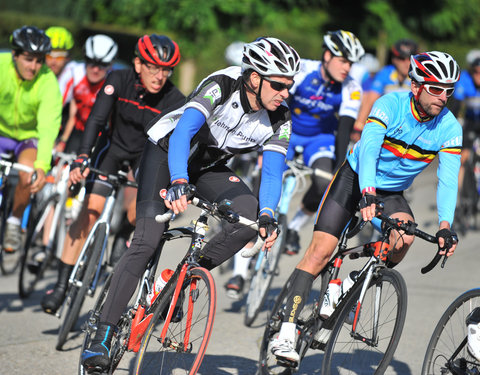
182, 349
369, 348
447, 350
263, 275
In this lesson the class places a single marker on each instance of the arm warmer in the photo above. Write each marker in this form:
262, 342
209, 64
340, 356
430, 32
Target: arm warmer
271, 184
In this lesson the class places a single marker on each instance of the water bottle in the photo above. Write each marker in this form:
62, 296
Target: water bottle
159, 284
349, 281
331, 298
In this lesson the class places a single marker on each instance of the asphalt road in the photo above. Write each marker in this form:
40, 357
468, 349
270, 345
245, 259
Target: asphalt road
28, 336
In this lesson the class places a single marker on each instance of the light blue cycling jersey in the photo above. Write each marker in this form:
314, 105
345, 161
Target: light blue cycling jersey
386, 81
466, 91
401, 145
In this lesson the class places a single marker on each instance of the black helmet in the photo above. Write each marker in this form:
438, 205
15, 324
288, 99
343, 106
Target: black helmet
404, 48
30, 39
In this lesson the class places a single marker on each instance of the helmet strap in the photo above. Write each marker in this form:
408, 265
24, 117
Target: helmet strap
418, 106
258, 97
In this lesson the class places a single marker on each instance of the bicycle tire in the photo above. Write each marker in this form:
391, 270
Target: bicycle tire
261, 280
448, 337
158, 358
76, 296
9, 262
356, 355
29, 276
268, 364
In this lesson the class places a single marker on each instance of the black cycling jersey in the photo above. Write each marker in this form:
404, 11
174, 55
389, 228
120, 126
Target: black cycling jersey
125, 102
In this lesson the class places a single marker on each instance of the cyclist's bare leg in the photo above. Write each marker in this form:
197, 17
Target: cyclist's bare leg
465, 154
400, 240
22, 190
78, 232
318, 252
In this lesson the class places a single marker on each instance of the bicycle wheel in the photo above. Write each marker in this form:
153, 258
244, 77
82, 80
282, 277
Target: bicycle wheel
9, 261
195, 315
268, 364
76, 295
371, 347
262, 279
32, 269
447, 350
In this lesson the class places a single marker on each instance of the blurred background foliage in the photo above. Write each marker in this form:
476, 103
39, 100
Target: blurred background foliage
204, 28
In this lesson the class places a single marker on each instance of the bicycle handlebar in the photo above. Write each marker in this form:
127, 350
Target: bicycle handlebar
14, 165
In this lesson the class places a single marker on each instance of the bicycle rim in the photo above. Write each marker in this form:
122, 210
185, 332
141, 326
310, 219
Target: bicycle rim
32, 270
193, 315
262, 280
353, 355
76, 296
448, 336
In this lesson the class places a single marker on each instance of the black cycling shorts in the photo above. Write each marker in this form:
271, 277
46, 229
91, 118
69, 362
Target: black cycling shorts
340, 202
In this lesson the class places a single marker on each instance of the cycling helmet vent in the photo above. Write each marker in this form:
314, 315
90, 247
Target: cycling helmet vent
100, 48
60, 37
431, 67
343, 43
270, 56
158, 50
30, 39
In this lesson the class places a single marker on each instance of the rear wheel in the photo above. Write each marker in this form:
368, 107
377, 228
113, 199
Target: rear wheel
76, 294
262, 278
36, 257
447, 350
370, 347
187, 335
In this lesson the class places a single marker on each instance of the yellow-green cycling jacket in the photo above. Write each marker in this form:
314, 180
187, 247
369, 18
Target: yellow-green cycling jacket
30, 109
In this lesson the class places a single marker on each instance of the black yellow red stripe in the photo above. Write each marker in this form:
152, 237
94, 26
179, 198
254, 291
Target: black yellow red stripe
411, 152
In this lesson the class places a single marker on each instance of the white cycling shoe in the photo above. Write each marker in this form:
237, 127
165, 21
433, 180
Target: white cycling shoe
284, 348
473, 328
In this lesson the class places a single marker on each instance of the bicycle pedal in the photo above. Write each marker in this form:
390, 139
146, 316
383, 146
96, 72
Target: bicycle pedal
284, 362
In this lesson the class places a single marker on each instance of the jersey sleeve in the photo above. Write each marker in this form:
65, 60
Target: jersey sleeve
100, 114
281, 120
48, 120
351, 98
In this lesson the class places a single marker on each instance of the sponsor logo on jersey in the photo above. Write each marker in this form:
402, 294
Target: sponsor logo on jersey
109, 89
355, 95
213, 93
285, 131
163, 193
234, 179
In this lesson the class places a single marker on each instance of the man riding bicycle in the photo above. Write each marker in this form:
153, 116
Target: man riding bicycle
234, 110
403, 134
30, 111
325, 102
128, 101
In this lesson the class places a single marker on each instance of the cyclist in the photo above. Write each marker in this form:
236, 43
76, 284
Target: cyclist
234, 110
59, 59
130, 98
391, 78
325, 102
87, 79
466, 102
403, 134
28, 125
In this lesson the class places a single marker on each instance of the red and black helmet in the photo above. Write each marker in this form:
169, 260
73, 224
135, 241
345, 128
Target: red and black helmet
158, 50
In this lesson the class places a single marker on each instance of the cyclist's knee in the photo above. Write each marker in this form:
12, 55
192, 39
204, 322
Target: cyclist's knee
319, 252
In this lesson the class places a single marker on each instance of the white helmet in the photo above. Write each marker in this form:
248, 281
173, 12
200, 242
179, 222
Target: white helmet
473, 57
434, 67
270, 56
234, 53
370, 62
344, 44
100, 48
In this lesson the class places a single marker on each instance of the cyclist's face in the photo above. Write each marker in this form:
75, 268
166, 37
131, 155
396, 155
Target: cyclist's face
152, 76
338, 67
402, 65
274, 91
57, 60
431, 104
96, 72
28, 64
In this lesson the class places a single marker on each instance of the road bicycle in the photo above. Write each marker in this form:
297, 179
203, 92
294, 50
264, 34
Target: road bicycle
362, 333
266, 263
171, 334
44, 238
92, 261
9, 261
447, 351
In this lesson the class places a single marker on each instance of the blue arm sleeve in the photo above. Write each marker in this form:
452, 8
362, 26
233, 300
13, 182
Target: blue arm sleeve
273, 166
448, 167
179, 144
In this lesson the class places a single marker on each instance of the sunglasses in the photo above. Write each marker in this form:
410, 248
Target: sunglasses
438, 91
98, 64
279, 86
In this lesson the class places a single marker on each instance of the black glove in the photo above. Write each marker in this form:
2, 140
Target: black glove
80, 162
367, 200
449, 236
176, 191
268, 223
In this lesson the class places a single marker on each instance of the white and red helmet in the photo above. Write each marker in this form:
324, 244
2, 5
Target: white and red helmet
434, 67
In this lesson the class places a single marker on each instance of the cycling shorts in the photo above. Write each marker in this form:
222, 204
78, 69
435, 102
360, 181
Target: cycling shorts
314, 147
340, 202
17, 147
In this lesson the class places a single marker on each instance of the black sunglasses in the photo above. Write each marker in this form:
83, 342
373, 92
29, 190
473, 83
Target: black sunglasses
279, 86
97, 63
